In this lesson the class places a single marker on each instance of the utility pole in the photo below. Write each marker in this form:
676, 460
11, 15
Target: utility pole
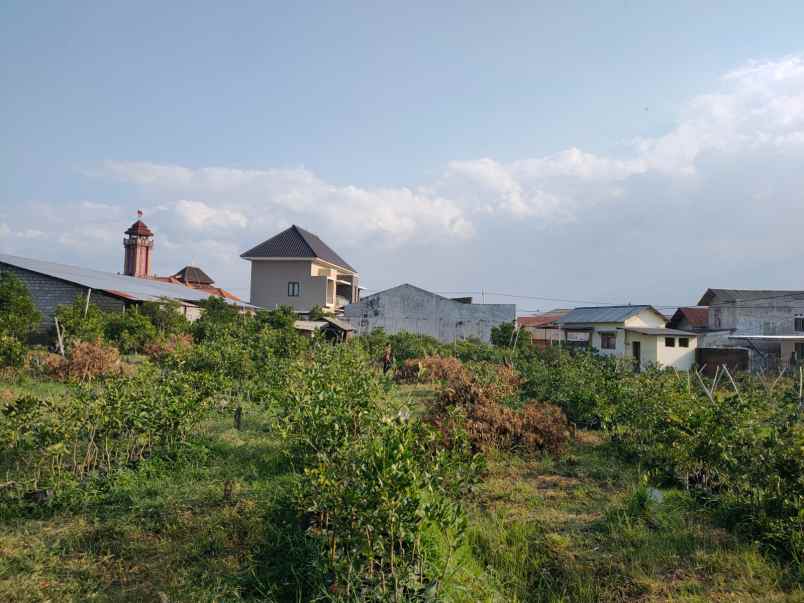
483, 295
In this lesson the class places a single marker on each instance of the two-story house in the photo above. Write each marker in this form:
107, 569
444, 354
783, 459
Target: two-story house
768, 323
296, 268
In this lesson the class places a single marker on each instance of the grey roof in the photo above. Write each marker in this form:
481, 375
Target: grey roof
129, 287
295, 242
602, 314
309, 325
337, 322
661, 331
735, 295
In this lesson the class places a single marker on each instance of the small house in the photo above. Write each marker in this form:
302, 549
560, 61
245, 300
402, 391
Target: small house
636, 332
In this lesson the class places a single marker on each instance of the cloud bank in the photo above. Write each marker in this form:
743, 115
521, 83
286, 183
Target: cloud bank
717, 200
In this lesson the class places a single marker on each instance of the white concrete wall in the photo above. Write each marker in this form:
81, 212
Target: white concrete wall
676, 357
409, 308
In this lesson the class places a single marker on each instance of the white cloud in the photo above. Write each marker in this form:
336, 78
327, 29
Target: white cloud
720, 193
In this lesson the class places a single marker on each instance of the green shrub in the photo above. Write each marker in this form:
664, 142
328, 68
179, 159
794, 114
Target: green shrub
12, 352
130, 331
18, 314
81, 321
167, 316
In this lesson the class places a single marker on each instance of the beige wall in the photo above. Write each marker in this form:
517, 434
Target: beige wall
269, 284
655, 352
317, 281
646, 318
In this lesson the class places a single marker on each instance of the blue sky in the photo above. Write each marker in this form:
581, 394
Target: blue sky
615, 151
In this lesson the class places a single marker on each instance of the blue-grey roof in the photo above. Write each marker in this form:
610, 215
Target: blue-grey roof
138, 289
602, 314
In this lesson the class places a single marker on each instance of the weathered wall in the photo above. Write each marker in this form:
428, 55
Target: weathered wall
764, 317
408, 308
48, 293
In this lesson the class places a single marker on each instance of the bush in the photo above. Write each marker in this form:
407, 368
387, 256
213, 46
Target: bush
130, 330
18, 314
487, 396
429, 369
167, 316
168, 344
97, 431
87, 361
12, 352
81, 322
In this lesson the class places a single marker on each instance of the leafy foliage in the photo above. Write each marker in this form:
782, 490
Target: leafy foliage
18, 314
130, 330
80, 321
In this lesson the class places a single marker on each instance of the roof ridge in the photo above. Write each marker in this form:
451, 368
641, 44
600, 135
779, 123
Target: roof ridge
301, 232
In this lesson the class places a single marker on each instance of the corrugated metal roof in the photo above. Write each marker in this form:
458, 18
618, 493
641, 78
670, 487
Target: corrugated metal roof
735, 295
602, 314
309, 325
295, 242
131, 287
660, 332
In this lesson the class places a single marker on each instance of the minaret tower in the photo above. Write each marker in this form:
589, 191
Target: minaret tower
138, 245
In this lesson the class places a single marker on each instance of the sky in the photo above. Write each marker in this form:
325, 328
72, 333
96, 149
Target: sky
560, 154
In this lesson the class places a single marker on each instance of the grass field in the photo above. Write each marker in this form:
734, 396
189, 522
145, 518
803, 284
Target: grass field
584, 528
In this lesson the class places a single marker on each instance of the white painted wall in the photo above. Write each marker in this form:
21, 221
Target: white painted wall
409, 308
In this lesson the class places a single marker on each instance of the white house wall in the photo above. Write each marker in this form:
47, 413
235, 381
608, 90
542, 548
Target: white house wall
408, 308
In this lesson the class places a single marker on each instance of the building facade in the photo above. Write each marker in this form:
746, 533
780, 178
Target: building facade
416, 310
635, 332
296, 268
769, 324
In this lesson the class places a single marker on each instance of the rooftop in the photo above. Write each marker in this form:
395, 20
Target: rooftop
139, 229
603, 314
120, 285
752, 295
194, 274
295, 242
660, 331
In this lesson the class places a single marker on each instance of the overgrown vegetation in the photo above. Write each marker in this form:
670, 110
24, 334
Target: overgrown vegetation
232, 459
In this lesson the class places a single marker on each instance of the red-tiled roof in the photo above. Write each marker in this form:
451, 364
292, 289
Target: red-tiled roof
540, 321
205, 288
697, 316
139, 229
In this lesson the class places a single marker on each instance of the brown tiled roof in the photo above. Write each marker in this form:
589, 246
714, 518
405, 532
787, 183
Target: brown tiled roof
199, 287
193, 274
697, 316
295, 242
540, 321
139, 229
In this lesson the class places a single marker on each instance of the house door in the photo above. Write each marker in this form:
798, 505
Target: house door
636, 350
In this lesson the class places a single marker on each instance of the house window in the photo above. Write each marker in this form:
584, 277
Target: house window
683, 342
294, 289
608, 341
799, 322
669, 342
799, 351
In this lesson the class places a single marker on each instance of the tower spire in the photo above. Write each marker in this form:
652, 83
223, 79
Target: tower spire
138, 245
